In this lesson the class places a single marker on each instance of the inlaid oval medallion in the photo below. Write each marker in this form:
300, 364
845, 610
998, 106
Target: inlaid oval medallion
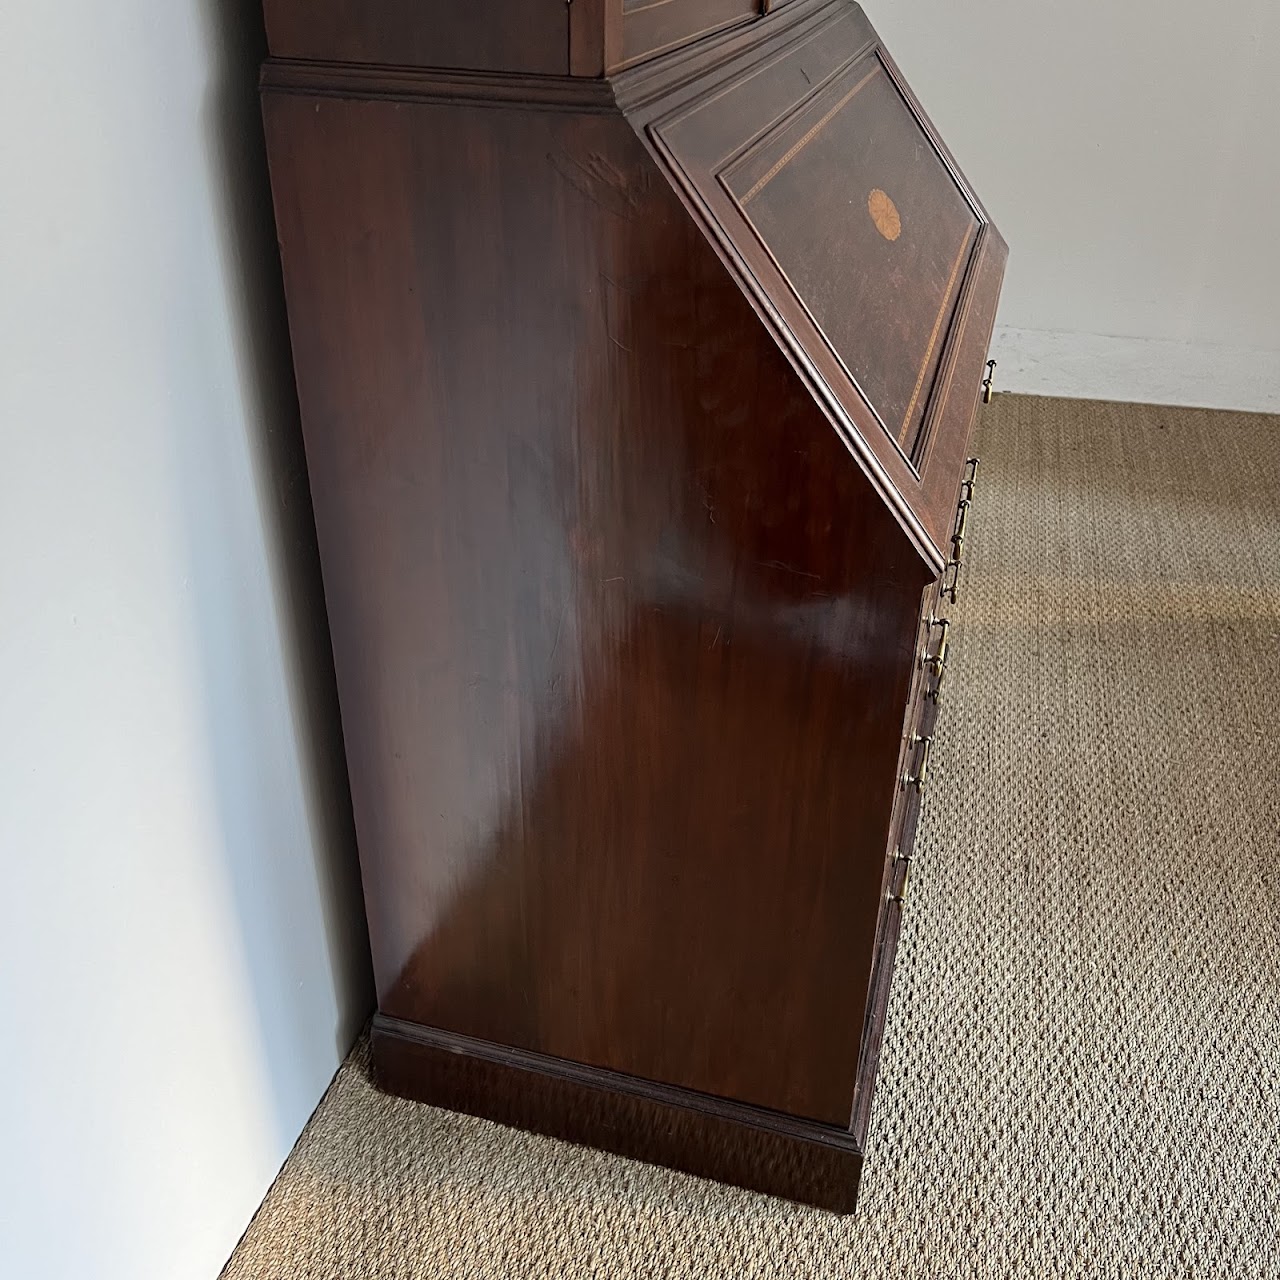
884, 213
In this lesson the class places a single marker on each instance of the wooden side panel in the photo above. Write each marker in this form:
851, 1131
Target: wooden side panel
497, 35
623, 634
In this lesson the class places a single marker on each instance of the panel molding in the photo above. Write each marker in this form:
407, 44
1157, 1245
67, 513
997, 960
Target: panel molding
909, 445
917, 483
703, 1135
411, 84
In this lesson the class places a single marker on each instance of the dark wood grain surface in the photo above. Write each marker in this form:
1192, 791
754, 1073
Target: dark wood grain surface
529, 36
881, 277
634, 427
763, 1151
537, 37
779, 146
623, 636
650, 27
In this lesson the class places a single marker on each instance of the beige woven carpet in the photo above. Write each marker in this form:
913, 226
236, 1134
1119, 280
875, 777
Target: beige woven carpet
1082, 1068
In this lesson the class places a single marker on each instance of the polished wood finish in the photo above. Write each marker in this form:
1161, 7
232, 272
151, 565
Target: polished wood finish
760, 1150
629, 533
537, 37
651, 27
889, 333
530, 36
661, 532
922, 711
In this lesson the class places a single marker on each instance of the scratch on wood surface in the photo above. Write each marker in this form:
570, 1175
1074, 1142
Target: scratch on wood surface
602, 182
564, 613
787, 568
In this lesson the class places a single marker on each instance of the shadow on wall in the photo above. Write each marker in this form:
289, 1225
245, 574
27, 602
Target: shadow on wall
287, 989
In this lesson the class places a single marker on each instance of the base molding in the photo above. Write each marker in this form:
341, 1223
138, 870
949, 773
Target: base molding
745, 1146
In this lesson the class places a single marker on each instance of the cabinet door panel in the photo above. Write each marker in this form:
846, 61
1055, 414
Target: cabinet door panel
880, 273
825, 185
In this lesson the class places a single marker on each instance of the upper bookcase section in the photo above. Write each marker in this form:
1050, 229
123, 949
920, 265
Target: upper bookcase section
535, 37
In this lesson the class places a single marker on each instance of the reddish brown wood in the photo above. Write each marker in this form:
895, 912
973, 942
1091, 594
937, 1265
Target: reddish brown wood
742, 1145
607, 552
530, 36
624, 573
891, 334
537, 37
920, 722
650, 27
595, 36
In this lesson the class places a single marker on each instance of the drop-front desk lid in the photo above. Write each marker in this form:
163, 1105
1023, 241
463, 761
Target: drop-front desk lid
825, 188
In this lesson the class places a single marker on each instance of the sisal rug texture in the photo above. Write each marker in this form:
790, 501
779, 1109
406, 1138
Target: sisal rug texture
1081, 1074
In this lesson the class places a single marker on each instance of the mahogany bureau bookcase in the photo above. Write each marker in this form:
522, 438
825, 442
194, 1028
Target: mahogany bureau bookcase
638, 344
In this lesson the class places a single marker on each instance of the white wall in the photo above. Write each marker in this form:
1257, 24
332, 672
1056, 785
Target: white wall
1130, 152
181, 957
